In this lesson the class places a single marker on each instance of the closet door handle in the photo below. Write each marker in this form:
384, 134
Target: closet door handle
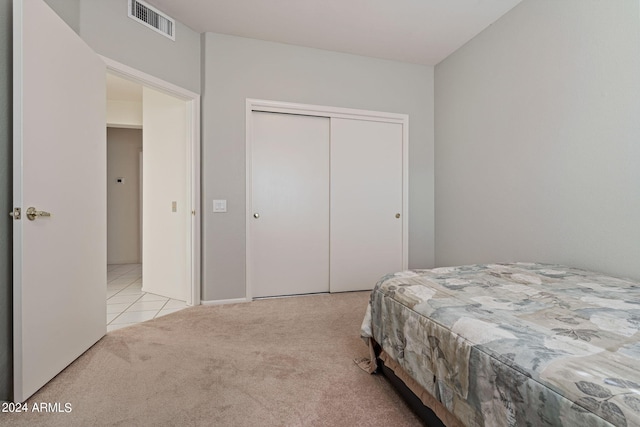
256, 215
397, 215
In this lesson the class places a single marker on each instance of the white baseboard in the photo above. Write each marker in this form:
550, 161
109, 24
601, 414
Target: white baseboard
225, 301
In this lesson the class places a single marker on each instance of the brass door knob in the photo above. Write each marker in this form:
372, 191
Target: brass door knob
397, 215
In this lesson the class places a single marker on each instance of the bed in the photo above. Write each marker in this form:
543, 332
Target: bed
513, 344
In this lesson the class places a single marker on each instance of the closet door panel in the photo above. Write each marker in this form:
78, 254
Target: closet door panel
366, 203
289, 243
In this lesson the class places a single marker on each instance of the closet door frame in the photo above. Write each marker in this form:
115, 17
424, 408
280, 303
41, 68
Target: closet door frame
259, 105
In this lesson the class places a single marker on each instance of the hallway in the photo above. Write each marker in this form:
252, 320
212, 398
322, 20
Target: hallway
127, 304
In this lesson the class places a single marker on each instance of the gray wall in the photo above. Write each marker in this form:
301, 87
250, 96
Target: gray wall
238, 68
105, 26
6, 298
537, 139
69, 10
123, 199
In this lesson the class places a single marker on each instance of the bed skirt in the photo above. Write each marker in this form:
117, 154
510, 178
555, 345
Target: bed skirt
427, 407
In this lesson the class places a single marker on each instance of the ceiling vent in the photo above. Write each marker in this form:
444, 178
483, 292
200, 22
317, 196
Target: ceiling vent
151, 17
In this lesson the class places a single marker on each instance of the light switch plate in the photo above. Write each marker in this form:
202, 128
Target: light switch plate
219, 205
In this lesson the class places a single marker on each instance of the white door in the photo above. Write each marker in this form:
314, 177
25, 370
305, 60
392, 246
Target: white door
366, 202
60, 168
289, 212
166, 204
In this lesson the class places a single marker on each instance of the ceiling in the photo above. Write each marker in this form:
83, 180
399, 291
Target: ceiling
120, 89
417, 31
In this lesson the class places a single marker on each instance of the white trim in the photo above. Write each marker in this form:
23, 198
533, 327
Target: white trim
248, 196
331, 112
324, 111
130, 73
193, 110
226, 301
405, 193
196, 235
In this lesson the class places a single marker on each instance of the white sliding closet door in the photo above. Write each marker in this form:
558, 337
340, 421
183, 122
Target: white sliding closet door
289, 212
366, 202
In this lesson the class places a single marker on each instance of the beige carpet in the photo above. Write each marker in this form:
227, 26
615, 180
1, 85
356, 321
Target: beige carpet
276, 362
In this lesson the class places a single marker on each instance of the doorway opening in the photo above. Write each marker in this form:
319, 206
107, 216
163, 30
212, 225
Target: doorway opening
152, 191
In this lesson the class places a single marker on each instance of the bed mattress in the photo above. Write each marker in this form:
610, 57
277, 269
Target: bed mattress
516, 344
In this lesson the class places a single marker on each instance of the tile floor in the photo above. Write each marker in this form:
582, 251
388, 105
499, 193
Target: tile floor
127, 304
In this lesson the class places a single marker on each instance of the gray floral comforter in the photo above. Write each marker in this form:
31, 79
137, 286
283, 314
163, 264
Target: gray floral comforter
515, 344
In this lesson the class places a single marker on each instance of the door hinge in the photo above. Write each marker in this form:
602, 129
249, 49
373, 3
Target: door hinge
16, 213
